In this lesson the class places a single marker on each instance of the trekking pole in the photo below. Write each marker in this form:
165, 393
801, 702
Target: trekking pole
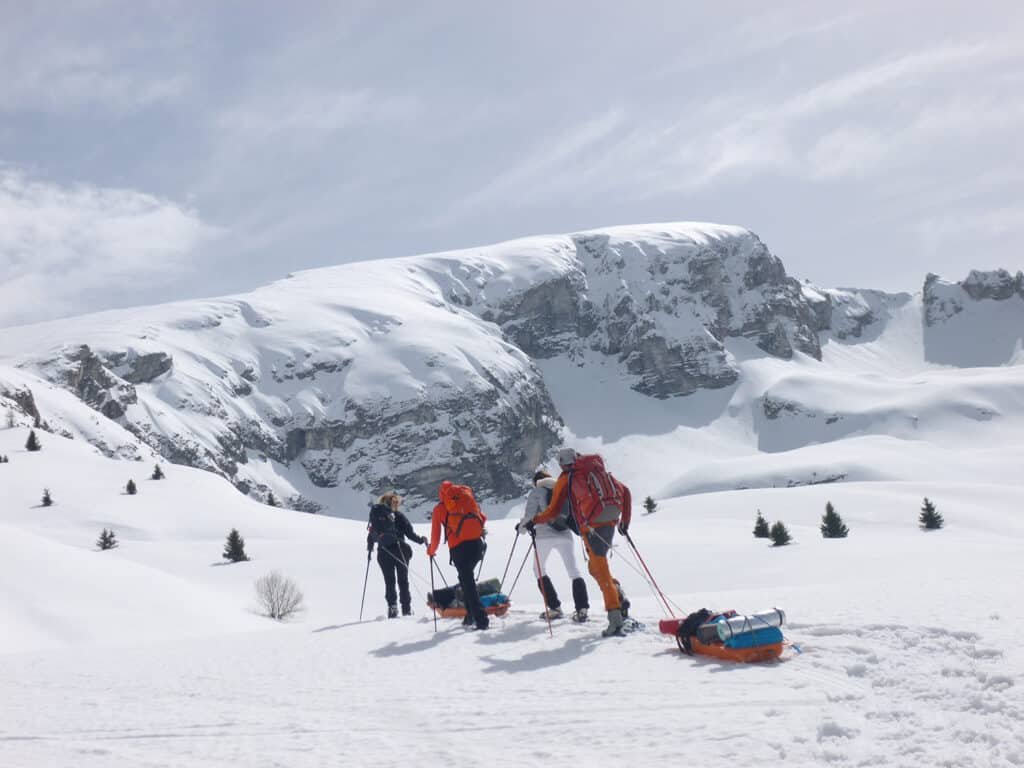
540, 578
432, 595
518, 573
439, 572
480, 568
365, 579
512, 551
650, 575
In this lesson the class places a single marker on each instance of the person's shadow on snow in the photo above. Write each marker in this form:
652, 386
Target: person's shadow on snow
404, 649
573, 648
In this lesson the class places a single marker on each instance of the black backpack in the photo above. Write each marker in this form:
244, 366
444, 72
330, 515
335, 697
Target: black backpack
382, 525
688, 629
561, 521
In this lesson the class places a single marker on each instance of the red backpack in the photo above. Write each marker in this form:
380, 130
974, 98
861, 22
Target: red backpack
464, 521
597, 497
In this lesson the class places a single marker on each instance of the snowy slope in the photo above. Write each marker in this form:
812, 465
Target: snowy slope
150, 654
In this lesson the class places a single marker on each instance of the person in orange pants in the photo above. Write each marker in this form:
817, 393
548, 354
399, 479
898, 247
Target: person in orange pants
597, 538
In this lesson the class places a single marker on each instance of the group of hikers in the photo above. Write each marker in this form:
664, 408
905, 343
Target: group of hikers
585, 500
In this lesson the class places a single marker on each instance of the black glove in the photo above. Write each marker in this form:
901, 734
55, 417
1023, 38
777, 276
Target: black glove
369, 554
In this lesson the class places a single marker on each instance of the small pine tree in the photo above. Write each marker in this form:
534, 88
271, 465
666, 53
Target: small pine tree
234, 547
32, 444
10, 418
47, 499
158, 472
272, 500
761, 527
780, 534
930, 519
107, 540
650, 505
832, 525
130, 488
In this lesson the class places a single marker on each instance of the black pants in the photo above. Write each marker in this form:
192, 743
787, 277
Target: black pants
465, 558
393, 562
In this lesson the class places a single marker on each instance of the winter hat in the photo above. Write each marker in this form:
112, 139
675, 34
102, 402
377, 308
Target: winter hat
566, 457
540, 474
443, 488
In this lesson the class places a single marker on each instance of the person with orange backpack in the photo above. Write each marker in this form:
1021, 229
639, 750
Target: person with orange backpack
598, 503
463, 523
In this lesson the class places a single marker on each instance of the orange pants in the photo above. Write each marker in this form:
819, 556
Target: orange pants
598, 567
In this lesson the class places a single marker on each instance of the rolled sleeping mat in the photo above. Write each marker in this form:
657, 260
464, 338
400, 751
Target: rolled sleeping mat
755, 638
739, 625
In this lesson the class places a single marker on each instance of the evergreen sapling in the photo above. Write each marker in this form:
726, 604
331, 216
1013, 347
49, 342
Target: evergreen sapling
780, 534
761, 527
272, 500
158, 473
32, 444
234, 547
650, 505
832, 525
47, 499
130, 489
930, 519
107, 540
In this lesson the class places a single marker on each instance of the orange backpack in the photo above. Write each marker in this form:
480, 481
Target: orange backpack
464, 521
597, 498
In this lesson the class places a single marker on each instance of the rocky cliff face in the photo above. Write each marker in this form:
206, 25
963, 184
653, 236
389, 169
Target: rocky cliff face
337, 384
977, 321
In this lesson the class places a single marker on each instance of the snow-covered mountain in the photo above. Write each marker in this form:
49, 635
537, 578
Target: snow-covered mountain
334, 384
709, 379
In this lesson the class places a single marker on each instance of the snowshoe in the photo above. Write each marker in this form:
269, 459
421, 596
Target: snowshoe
615, 623
580, 616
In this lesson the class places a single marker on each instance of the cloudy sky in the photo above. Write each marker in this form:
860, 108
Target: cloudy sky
156, 151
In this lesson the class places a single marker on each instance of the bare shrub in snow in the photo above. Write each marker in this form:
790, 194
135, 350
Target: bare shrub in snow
278, 596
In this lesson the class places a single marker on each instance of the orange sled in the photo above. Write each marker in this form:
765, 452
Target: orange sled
717, 649
499, 609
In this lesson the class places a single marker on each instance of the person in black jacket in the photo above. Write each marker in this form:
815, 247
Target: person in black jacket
388, 528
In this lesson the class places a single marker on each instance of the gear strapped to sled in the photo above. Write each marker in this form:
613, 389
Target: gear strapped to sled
729, 636
448, 602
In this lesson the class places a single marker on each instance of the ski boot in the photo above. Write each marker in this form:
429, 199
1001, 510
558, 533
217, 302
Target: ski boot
392, 611
552, 613
580, 616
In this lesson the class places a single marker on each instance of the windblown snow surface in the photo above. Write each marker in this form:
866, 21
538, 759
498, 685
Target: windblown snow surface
904, 645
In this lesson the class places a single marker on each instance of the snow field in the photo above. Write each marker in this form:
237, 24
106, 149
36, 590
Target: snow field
151, 654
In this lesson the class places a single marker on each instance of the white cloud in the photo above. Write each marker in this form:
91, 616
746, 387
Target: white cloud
66, 79
65, 249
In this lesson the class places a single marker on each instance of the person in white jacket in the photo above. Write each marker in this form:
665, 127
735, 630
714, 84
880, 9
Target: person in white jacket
555, 536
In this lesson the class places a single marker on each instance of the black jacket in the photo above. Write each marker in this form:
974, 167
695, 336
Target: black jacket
389, 528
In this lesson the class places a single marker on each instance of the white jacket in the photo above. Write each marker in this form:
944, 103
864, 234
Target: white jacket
536, 503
